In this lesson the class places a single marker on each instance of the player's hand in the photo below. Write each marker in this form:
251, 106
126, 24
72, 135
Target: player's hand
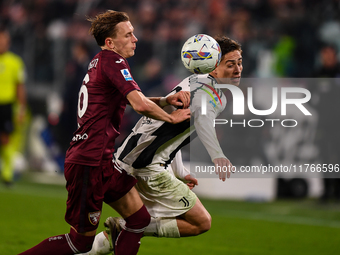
180, 115
190, 181
180, 99
223, 168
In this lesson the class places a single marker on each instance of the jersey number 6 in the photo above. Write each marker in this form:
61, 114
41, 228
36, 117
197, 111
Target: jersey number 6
83, 97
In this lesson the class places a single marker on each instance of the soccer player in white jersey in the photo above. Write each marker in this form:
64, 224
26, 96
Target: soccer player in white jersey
153, 145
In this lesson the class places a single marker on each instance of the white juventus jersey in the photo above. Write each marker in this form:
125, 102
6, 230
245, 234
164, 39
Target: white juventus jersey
157, 142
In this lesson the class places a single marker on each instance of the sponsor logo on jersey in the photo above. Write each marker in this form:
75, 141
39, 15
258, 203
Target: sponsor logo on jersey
55, 238
94, 217
119, 61
93, 63
78, 137
146, 121
126, 74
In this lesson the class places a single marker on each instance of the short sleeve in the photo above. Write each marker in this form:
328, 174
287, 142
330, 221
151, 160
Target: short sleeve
117, 70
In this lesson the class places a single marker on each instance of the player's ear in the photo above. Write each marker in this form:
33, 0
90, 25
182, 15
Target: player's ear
109, 43
214, 73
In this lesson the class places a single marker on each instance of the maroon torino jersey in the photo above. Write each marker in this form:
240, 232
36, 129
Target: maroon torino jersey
101, 104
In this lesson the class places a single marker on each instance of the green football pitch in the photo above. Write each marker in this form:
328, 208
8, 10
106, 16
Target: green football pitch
31, 212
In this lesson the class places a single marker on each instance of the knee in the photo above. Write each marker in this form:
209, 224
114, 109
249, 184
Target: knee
206, 224
145, 217
139, 220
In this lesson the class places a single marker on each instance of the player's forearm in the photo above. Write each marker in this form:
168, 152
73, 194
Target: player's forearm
178, 168
160, 101
145, 106
21, 95
152, 110
207, 134
155, 100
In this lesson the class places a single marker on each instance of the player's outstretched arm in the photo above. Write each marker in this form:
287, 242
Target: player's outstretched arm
179, 99
145, 106
207, 134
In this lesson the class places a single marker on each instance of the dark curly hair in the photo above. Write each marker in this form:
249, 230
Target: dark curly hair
227, 45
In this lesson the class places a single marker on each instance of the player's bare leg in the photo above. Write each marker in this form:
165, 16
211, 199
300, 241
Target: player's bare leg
132, 209
128, 204
194, 222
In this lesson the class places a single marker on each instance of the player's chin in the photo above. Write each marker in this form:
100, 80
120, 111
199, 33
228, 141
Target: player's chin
235, 81
131, 53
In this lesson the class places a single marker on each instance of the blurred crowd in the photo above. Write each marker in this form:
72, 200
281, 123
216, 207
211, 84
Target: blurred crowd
279, 38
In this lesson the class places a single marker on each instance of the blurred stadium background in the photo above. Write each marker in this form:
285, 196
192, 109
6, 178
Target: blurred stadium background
280, 38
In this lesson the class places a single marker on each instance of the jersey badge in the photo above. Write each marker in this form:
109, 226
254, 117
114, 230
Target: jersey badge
94, 217
185, 201
93, 63
126, 74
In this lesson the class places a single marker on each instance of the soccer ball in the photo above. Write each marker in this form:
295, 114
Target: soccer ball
201, 54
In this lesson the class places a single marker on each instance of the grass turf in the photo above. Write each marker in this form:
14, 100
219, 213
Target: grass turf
31, 212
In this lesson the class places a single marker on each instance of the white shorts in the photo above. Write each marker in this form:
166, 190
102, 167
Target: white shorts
164, 195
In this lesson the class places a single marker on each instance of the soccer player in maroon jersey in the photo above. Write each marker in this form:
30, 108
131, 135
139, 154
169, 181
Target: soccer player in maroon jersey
92, 177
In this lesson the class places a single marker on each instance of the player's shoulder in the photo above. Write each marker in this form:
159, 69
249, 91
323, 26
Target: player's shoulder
107, 55
108, 60
185, 84
10, 54
13, 57
193, 81
200, 81
206, 79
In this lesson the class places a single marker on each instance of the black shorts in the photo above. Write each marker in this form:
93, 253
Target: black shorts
6, 118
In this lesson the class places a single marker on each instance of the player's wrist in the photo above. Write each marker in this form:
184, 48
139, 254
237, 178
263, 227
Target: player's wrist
163, 102
172, 118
